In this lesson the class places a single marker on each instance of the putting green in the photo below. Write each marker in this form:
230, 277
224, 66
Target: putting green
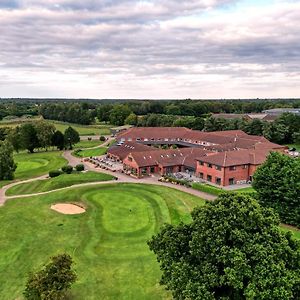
36, 164
31, 165
108, 241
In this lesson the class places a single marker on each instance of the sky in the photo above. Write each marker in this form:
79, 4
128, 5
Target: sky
150, 49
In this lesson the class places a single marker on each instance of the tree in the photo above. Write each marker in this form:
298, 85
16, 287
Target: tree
118, 114
52, 282
7, 164
277, 183
275, 132
45, 132
131, 119
14, 137
232, 249
296, 137
28, 137
71, 137
58, 140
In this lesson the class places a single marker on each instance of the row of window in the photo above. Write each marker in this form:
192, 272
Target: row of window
231, 168
218, 180
168, 139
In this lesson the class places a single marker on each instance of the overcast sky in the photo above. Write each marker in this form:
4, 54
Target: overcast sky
150, 49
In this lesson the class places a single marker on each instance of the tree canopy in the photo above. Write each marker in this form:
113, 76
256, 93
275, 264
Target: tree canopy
277, 183
52, 282
71, 137
232, 249
7, 164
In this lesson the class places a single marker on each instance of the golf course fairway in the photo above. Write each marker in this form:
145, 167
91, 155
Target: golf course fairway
107, 242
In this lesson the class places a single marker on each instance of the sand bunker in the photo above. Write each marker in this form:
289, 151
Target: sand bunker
68, 208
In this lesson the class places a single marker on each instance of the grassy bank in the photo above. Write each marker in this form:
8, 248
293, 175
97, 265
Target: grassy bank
61, 181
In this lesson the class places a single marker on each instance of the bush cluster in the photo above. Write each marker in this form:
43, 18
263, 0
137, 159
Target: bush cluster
54, 173
79, 167
175, 180
67, 169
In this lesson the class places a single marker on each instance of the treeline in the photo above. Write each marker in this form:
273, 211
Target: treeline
284, 130
69, 112
17, 109
38, 135
117, 112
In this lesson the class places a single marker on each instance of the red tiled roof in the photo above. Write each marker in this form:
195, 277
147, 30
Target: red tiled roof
236, 158
170, 157
154, 132
128, 147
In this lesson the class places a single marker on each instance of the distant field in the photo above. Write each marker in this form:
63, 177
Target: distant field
91, 152
62, 126
88, 144
61, 181
83, 129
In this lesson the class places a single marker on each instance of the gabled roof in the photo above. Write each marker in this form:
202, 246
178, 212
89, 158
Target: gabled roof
236, 158
154, 132
128, 147
170, 157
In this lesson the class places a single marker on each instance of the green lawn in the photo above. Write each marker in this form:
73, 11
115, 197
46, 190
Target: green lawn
61, 181
294, 146
90, 152
213, 190
83, 129
88, 144
62, 126
108, 242
36, 164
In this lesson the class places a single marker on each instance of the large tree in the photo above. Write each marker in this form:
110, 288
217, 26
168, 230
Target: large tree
44, 131
28, 137
232, 249
119, 114
277, 183
58, 140
14, 137
52, 282
7, 164
71, 137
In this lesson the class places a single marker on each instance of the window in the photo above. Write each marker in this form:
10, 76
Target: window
218, 180
231, 181
201, 163
218, 168
232, 168
129, 158
209, 165
209, 178
201, 175
245, 166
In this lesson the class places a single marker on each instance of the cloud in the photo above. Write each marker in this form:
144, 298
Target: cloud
148, 48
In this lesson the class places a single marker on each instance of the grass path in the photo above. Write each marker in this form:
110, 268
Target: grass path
64, 180
108, 242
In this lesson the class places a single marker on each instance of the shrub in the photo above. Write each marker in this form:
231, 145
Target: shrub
102, 138
54, 173
67, 169
79, 167
206, 188
52, 281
